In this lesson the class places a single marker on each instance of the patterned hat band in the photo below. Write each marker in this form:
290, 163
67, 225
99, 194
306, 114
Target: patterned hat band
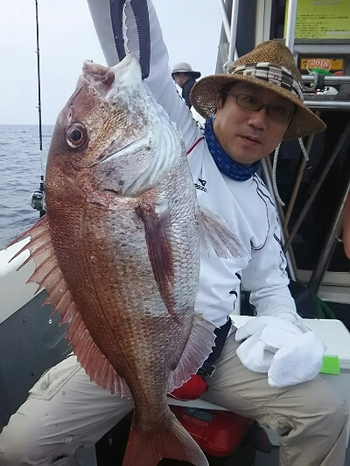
277, 75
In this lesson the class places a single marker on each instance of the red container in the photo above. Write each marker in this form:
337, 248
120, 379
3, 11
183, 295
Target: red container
218, 433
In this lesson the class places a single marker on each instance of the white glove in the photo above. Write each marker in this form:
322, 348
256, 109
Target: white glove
288, 353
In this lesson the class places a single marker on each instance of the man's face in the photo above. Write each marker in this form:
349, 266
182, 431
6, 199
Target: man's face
179, 78
247, 135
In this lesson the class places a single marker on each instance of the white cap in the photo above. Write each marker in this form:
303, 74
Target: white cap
184, 67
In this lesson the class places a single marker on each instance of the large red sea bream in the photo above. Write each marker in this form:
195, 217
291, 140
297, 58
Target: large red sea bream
118, 251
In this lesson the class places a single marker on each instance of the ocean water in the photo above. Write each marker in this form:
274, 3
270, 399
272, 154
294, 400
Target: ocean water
21, 164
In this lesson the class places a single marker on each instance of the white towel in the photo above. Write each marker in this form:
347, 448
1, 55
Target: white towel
289, 353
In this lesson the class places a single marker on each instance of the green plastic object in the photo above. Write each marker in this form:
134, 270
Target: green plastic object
322, 71
330, 365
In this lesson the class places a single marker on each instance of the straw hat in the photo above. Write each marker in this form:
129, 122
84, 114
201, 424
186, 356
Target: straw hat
184, 67
271, 66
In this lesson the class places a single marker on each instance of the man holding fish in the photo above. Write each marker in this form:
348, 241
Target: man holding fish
249, 111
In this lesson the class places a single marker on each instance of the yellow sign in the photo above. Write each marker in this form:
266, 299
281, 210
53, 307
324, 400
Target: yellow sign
328, 64
322, 19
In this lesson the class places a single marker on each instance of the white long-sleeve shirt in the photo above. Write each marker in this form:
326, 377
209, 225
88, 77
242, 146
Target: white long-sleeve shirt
246, 206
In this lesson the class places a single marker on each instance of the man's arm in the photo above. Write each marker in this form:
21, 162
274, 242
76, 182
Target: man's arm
159, 81
267, 279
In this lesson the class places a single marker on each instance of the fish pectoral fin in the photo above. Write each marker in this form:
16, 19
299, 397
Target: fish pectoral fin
199, 346
214, 233
169, 440
159, 251
48, 275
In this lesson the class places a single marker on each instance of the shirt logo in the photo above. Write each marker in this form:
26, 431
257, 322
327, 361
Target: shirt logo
201, 185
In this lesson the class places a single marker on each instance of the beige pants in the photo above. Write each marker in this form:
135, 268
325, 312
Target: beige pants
65, 410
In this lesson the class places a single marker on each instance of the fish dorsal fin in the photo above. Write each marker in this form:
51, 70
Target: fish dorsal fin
197, 350
214, 233
48, 275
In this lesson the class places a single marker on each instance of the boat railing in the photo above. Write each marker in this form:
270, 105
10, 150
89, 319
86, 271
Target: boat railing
336, 80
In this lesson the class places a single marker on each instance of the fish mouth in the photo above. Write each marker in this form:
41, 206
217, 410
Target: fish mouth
109, 81
99, 76
106, 79
114, 87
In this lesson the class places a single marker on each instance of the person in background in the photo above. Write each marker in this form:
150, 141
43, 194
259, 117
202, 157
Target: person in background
185, 78
248, 112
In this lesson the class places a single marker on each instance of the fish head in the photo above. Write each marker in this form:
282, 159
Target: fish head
110, 134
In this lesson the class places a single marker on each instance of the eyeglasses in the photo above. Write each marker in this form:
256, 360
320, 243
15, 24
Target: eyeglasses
249, 102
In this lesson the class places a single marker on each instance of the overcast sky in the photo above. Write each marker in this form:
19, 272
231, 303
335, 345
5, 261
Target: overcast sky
191, 29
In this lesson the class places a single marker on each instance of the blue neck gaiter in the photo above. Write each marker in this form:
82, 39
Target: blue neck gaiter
225, 164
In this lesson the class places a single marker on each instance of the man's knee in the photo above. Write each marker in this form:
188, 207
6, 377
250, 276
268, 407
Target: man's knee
327, 406
339, 412
18, 442
21, 444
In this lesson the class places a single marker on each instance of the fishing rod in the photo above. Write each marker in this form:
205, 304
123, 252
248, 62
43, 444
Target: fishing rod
38, 198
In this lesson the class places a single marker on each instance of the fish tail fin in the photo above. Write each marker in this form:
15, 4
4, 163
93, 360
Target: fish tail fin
171, 441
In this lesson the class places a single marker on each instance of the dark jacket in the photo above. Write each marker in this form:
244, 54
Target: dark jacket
186, 89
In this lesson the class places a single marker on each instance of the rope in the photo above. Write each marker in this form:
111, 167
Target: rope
274, 168
274, 177
303, 149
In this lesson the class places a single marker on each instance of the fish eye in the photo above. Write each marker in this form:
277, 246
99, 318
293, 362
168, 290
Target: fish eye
76, 135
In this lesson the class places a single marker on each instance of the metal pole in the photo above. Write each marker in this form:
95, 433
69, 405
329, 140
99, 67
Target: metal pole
328, 105
309, 78
291, 22
263, 20
327, 251
297, 184
38, 73
234, 18
267, 177
318, 184
225, 22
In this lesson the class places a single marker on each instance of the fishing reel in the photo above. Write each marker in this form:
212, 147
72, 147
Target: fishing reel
38, 199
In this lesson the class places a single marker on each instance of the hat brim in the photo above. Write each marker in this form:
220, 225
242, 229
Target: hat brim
195, 74
204, 93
